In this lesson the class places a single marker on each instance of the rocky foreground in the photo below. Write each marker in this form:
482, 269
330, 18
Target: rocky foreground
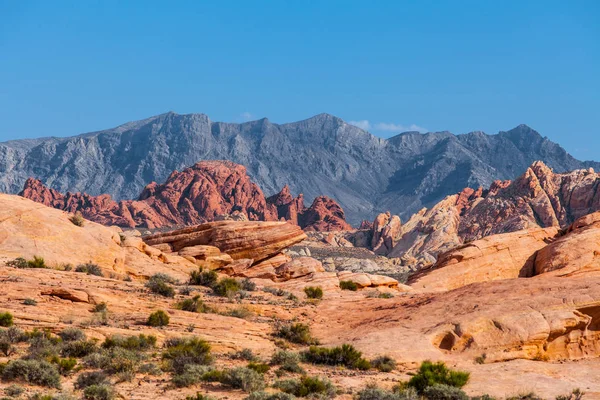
519, 311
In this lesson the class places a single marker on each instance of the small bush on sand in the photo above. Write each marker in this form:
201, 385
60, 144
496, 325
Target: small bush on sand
259, 367
182, 352
345, 355
384, 364
86, 379
139, 343
296, 333
248, 285
64, 365
313, 292
71, 334
90, 269
226, 287
348, 285
30, 302
444, 392
200, 396
158, 318
437, 373
270, 396
245, 354
576, 394
6, 319
203, 278
307, 386
160, 284
99, 392
78, 348
34, 372
77, 219
372, 392
244, 378
194, 304
288, 361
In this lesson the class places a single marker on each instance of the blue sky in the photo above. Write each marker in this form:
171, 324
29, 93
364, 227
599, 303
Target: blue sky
73, 67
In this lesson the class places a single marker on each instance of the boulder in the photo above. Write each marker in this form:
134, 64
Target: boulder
298, 267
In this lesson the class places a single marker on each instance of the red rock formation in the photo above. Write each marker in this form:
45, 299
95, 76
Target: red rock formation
385, 230
324, 215
207, 191
539, 198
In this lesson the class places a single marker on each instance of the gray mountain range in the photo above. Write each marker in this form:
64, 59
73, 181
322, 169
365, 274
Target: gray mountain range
320, 155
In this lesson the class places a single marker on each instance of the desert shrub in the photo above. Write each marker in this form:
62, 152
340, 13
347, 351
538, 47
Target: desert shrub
158, 318
348, 285
200, 396
36, 262
6, 347
77, 219
150, 369
99, 392
384, 364
484, 397
43, 345
203, 278
34, 372
13, 335
525, 396
260, 395
30, 302
248, 285
14, 390
345, 355
307, 386
116, 360
245, 354
160, 284
444, 392
244, 378
259, 367
18, 262
90, 269
576, 394
78, 348
313, 292
182, 352
71, 334
375, 393
100, 307
296, 333
86, 379
379, 295
193, 374
288, 361
64, 365
480, 359
195, 304
6, 319
239, 312
226, 287
430, 374
140, 343
275, 291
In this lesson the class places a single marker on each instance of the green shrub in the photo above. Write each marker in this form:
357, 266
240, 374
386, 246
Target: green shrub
86, 379
6, 319
30, 302
244, 378
296, 333
71, 334
160, 284
78, 348
140, 343
158, 318
444, 392
99, 392
375, 393
313, 292
576, 394
199, 396
270, 396
261, 368
384, 364
100, 307
116, 360
77, 219
248, 285
35, 372
433, 373
195, 304
203, 278
226, 287
14, 390
239, 312
525, 396
307, 386
10, 336
182, 352
19, 262
348, 285
345, 355
245, 354
150, 369
65, 365
288, 362
36, 262
90, 269
193, 374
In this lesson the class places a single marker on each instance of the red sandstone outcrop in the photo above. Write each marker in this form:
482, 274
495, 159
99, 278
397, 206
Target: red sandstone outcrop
539, 198
207, 191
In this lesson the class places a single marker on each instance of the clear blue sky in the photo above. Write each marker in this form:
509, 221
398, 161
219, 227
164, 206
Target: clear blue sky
73, 67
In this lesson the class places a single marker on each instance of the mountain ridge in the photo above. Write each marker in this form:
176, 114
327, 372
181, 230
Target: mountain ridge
319, 155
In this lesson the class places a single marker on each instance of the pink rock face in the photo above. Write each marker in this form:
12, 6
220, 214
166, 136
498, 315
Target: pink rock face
385, 231
205, 192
